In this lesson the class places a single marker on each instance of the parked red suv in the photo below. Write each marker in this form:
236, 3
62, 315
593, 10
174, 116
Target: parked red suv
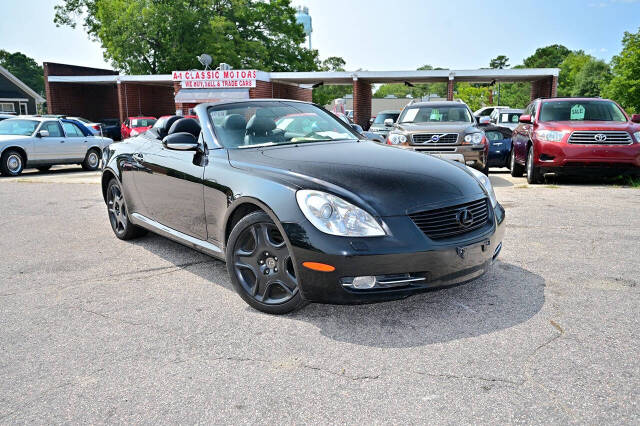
575, 136
133, 126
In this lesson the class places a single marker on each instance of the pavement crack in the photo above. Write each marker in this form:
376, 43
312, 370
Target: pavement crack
100, 314
464, 377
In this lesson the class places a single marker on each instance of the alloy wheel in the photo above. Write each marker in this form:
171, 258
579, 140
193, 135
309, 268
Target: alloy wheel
530, 164
93, 159
117, 210
263, 265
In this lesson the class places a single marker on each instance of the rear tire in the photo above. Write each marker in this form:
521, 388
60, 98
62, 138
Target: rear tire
516, 169
119, 213
533, 172
91, 160
11, 163
260, 265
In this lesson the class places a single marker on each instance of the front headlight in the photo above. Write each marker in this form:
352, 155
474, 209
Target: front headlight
550, 135
335, 216
637, 136
474, 138
396, 138
484, 180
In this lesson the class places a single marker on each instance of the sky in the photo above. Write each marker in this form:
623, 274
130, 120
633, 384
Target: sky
379, 35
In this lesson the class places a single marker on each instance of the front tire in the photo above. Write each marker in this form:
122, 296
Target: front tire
261, 266
533, 172
11, 163
91, 160
516, 169
119, 213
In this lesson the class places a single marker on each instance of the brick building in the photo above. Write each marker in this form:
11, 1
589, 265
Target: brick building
97, 93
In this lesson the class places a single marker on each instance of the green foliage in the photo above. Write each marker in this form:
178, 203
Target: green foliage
569, 69
158, 36
592, 79
473, 95
624, 87
515, 95
499, 62
25, 68
324, 95
547, 57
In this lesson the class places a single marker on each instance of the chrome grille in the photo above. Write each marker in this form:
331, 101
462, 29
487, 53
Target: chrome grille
443, 138
443, 223
600, 138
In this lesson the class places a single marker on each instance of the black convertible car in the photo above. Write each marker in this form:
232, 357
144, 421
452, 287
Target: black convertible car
301, 207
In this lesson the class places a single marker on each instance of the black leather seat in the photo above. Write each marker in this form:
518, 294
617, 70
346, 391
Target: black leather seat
162, 131
186, 125
232, 130
260, 129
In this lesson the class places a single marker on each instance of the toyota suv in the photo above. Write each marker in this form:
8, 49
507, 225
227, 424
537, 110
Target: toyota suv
575, 136
446, 129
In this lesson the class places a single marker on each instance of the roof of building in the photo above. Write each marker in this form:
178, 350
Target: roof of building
15, 80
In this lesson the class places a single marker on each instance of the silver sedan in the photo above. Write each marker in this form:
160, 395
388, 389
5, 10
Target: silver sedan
41, 142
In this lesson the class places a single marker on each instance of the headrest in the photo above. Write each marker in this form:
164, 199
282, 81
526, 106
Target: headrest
234, 122
168, 123
188, 125
260, 124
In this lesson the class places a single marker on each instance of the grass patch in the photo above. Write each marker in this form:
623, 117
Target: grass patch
522, 186
628, 181
552, 186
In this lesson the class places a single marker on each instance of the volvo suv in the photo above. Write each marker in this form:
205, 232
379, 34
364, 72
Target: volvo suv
446, 129
570, 136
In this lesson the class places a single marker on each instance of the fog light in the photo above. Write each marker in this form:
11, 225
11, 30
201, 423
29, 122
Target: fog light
364, 282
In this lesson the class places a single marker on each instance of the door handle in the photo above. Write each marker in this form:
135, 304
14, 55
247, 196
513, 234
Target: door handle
62, 141
138, 157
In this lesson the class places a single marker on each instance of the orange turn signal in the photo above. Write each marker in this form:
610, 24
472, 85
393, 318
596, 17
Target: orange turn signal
315, 266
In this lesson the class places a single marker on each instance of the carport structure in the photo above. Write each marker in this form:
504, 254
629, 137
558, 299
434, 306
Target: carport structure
97, 93
544, 82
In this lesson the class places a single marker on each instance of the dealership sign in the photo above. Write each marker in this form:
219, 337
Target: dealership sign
216, 79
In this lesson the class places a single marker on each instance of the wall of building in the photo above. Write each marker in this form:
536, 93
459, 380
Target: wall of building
135, 99
8, 90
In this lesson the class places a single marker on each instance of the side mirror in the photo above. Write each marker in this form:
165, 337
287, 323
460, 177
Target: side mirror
43, 134
371, 120
357, 128
484, 121
635, 118
388, 122
525, 118
182, 141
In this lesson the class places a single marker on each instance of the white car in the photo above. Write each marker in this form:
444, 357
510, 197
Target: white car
486, 111
41, 142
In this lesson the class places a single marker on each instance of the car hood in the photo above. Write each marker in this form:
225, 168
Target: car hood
141, 129
388, 180
457, 127
12, 138
591, 126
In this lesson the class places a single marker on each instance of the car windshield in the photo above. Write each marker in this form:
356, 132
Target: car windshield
510, 117
383, 116
581, 110
142, 122
249, 124
18, 127
435, 114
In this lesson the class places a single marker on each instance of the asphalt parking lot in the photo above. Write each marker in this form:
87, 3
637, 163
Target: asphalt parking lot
97, 330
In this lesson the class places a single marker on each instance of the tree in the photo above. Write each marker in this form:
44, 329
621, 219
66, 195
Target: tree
569, 70
592, 79
158, 36
624, 87
499, 62
473, 95
324, 95
25, 68
401, 90
547, 57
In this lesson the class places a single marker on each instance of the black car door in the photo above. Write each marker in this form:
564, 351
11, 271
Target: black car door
171, 188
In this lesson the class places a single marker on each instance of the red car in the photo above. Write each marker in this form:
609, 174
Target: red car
133, 126
570, 136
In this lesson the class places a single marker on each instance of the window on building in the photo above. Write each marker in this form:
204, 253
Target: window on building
7, 107
23, 108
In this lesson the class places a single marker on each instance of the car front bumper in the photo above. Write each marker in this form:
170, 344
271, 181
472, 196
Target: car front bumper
560, 157
475, 156
406, 251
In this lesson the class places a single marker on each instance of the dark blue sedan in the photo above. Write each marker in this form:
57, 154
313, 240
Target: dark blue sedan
499, 145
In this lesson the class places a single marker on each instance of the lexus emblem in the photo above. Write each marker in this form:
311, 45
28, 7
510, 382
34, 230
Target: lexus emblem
600, 137
465, 217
